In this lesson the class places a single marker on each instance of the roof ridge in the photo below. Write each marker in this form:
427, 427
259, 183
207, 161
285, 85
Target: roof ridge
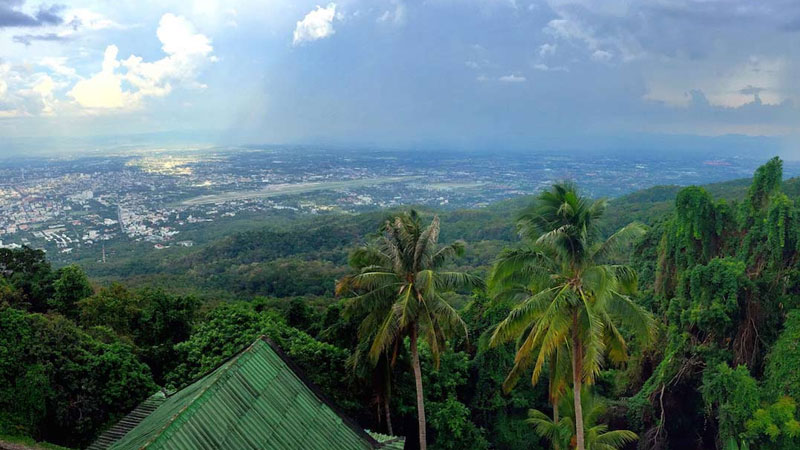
317, 392
230, 362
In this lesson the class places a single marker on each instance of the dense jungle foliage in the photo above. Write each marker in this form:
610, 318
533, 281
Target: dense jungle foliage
529, 335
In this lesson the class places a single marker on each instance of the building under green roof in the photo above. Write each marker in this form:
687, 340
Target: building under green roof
256, 400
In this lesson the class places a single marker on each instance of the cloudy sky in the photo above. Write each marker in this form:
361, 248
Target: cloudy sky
401, 72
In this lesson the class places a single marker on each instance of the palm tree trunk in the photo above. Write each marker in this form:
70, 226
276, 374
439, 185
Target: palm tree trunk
555, 421
423, 444
388, 415
577, 368
554, 396
387, 391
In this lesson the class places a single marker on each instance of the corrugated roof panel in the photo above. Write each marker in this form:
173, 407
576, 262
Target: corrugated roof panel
255, 400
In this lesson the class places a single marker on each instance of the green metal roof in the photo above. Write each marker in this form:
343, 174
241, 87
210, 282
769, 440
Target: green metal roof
256, 400
129, 422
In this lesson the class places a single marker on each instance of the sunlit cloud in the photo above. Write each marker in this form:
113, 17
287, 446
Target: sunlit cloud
316, 25
187, 51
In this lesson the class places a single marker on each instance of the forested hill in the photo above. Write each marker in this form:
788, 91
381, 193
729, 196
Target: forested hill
683, 334
648, 205
305, 256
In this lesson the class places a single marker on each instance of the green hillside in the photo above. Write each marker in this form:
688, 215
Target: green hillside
263, 259
686, 327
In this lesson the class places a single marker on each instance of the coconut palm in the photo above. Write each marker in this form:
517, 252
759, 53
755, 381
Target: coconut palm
515, 282
571, 297
561, 432
398, 291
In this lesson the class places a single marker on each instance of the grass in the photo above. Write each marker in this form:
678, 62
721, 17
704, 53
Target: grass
29, 442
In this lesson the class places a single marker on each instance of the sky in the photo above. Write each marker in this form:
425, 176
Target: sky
517, 74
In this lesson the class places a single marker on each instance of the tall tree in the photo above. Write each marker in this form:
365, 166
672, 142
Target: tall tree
71, 286
398, 291
510, 281
571, 294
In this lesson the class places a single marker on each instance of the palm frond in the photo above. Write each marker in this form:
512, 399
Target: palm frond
447, 317
522, 363
447, 252
516, 266
373, 280
388, 332
543, 424
369, 256
407, 306
377, 299
633, 316
426, 245
615, 439
344, 286
618, 241
451, 281
523, 315
615, 344
627, 279
555, 338
559, 381
591, 326
430, 333
598, 282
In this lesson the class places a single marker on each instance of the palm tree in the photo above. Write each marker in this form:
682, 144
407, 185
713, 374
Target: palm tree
561, 432
398, 291
512, 282
571, 297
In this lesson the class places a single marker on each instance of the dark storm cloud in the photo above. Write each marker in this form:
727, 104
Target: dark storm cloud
12, 16
675, 28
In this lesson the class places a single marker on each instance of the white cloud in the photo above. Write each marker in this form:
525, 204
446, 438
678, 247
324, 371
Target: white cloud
575, 29
3, 84
317, 24
232, 14
602, 56
87, 19
23, 93
44, 87
547, 50
187, 51
512, 78
178, 37
570, 29
396, 16
58, 65
104, 89
546, 68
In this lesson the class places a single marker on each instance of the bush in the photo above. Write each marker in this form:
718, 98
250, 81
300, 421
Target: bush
57, 383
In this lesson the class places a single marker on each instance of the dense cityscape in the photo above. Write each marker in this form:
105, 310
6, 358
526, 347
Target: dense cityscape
153, 195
